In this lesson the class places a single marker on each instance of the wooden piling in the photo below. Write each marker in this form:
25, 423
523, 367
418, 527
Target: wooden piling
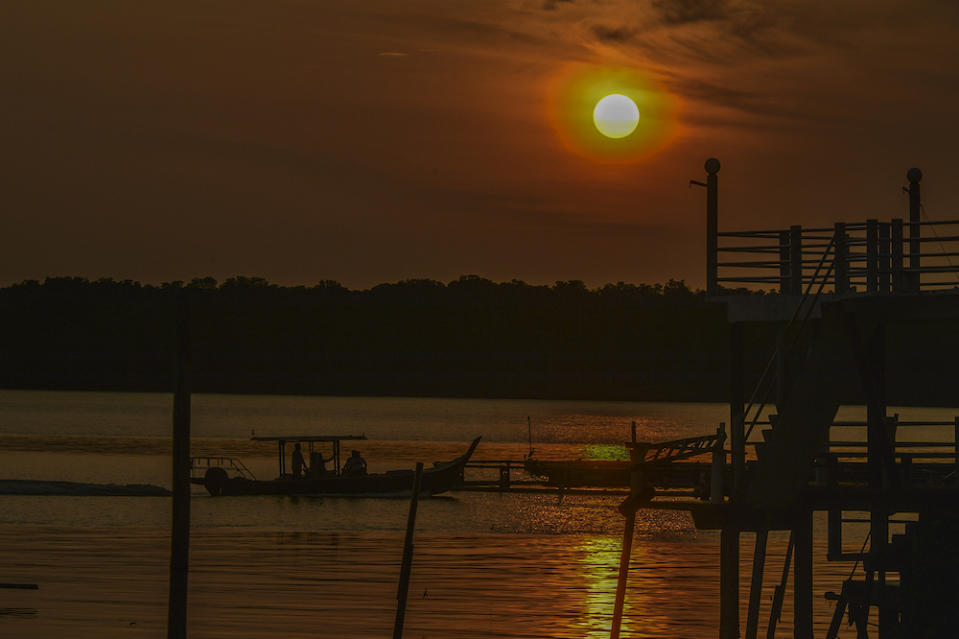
802, 577
729, 583
406, 567
629, 527
180, 537
756, 586
775, 610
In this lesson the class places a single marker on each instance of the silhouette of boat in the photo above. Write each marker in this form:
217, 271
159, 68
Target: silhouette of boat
224, 476
568, 474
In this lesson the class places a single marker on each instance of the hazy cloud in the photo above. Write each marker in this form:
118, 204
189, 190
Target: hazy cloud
613, 34
676, 12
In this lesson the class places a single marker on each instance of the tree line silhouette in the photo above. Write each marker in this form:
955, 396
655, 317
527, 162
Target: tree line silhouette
470, 337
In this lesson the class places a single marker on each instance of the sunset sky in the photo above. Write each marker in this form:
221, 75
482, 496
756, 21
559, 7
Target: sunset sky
301, 140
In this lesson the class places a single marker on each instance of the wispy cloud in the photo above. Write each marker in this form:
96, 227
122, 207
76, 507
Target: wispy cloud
392, 54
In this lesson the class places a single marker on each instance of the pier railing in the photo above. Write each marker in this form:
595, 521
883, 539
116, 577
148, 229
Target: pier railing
870, 257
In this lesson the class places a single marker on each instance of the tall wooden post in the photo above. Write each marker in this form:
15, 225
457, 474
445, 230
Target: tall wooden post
914, 176
635, 488
712, 226
406, 567
756, 586
879, 459
802, 577
180, 537
729, 583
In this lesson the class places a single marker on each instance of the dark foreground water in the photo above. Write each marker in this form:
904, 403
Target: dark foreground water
485, 565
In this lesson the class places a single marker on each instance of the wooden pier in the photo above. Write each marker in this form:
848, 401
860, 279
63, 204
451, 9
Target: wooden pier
837, 291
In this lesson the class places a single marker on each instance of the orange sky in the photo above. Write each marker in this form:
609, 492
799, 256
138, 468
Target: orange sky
301, 140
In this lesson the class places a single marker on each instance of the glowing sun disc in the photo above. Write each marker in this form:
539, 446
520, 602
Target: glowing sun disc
616, 116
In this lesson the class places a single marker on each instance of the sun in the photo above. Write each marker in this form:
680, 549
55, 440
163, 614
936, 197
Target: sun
616, 116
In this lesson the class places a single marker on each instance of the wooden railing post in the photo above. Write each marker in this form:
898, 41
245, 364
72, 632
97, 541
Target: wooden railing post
712, 226
784, 261
872, 256
795, 259
898, 274
884, 264
914, 176
841, 263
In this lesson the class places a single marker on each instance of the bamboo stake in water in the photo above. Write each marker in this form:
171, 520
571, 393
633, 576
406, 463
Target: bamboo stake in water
631, 507
406, 567
180, 537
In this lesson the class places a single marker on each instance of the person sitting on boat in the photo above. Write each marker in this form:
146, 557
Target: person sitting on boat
299, 464
355, 465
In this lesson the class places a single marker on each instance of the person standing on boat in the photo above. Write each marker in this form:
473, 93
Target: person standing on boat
299, 464
318, 464
355, 465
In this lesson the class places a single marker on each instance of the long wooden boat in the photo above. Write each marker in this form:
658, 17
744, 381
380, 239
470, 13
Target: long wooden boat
657, 459
569, 474
224, 476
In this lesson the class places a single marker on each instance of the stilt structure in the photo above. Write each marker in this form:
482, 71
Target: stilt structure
839, 290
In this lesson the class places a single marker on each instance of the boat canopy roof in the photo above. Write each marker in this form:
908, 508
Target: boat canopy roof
308, 438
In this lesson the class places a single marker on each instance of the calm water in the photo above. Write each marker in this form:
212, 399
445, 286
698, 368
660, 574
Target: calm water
486, 565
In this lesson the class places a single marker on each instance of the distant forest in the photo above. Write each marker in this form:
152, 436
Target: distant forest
470, 337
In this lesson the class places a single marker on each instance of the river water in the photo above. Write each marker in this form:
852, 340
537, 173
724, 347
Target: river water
485, 564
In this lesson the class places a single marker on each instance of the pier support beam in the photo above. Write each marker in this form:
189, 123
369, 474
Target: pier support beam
802, 577
756, 587
729, 583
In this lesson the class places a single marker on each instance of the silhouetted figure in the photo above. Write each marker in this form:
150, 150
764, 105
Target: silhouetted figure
318, 464
299, 464
355, 465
